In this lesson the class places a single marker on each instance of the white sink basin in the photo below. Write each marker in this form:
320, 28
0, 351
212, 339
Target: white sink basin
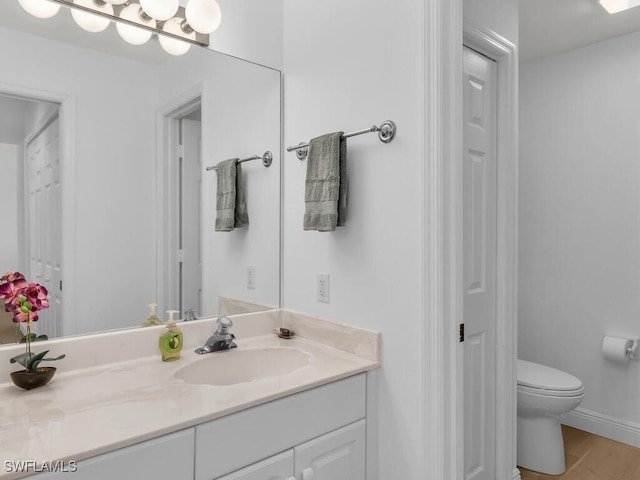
237, 366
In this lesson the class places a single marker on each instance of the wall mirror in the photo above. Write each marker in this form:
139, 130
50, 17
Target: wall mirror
104, 148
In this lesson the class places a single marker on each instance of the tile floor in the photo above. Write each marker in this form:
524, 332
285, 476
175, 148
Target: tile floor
590, 457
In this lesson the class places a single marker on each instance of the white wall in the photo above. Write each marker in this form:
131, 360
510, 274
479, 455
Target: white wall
114, 171
580, 218
349, 65
9, 195
500, 16
251, 30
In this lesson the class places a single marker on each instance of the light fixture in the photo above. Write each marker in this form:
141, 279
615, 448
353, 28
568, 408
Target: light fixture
130, 33
615, 6
160, 9
203, 16
173, 46
40, 8
90, 21
138, 20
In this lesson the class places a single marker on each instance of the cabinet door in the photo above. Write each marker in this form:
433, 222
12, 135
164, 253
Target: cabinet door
278, 467
339, 455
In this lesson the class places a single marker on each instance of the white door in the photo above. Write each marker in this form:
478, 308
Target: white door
44, 226
479, 264
339, 455
190, 217
278, 467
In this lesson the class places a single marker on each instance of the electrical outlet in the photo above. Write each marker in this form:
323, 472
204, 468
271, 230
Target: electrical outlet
251, 277
322, 281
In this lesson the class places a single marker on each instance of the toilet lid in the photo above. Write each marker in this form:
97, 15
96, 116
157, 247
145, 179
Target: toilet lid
534, 375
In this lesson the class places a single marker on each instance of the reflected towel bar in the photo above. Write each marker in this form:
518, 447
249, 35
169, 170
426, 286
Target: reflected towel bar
267, 160
386, 133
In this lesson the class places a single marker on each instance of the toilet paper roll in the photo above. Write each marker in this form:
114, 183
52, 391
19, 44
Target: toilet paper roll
615, 349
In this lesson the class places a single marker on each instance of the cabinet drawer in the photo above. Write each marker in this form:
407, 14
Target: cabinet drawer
169, 456
273, 427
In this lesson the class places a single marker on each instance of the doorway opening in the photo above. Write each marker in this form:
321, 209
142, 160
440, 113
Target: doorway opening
182, 200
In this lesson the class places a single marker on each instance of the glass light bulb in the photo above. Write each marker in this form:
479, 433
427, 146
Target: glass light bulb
89, 21
160, 9
129, 33
172, 45
40, 8
204, 16
116, 2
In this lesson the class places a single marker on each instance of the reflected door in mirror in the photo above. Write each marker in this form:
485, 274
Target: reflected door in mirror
43, 220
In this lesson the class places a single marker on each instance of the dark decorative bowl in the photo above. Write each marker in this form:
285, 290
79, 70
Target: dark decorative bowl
29, 380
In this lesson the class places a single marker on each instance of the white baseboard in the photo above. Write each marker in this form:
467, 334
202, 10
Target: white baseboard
604, 425
516, 474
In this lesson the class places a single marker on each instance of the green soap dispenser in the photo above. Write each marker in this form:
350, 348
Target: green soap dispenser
152, 319
170, 340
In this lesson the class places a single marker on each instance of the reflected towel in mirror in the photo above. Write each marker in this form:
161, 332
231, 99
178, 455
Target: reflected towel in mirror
231, 208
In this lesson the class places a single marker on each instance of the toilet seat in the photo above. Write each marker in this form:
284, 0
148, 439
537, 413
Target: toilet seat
543, 380
551, 393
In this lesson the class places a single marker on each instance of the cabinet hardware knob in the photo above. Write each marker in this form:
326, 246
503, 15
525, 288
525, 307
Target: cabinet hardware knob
307, 474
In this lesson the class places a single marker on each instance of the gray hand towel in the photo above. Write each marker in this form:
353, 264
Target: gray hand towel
231, 209
326, 183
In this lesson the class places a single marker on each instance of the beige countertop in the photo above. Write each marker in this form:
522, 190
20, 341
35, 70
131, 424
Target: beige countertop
86, 412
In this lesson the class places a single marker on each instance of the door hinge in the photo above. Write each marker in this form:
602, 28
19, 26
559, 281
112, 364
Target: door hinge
180, 256
461, 332
181, 151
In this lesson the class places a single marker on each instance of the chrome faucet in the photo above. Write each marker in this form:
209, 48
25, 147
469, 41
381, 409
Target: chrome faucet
222, 339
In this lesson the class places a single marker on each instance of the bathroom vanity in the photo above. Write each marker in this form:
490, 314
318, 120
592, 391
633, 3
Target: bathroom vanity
316, 434
144, 418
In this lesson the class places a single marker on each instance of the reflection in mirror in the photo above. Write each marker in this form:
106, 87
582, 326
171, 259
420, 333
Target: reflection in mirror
124, 216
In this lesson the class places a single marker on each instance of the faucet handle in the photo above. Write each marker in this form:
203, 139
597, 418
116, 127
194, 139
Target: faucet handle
224, 324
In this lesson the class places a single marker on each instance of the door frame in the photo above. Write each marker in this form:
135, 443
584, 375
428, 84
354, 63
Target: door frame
167, 191
443, 388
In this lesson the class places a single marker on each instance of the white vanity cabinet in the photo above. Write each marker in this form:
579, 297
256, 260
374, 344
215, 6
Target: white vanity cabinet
317, 434
339, 455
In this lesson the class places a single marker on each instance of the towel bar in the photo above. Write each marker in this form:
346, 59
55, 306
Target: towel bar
267, 160
386, 133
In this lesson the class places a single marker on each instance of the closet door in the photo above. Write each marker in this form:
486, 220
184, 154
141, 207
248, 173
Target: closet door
479, 263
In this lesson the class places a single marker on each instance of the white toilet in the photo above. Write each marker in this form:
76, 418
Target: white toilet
544, 394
